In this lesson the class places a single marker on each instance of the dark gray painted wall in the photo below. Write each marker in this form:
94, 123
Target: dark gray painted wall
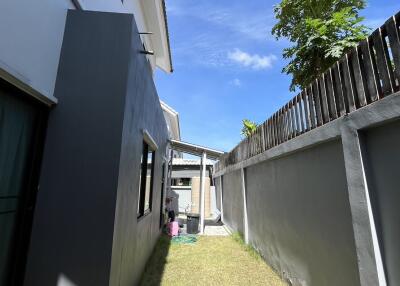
299, 216
85, 226
217, 185
134, 240
383, 161
233, 200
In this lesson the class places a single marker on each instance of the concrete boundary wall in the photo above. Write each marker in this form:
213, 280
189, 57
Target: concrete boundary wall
382, 155
347, 130
233, 201
299, 216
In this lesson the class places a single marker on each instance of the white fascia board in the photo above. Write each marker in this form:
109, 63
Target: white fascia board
149, 140
173, 117
154, 17
178, 127
163, 62
168, 108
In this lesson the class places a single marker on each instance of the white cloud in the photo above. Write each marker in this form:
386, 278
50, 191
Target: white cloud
236, 82
218, 30
255, 61
244, 20
258, 26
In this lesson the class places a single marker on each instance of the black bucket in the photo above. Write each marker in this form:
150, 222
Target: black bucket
192, 226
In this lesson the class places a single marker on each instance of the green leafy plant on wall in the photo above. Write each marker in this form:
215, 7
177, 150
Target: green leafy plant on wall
248, 127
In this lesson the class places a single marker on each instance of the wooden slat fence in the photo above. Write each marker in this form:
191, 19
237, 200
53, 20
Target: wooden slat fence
366, 74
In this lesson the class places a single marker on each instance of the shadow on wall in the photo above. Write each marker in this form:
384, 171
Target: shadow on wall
175, 201
154, 269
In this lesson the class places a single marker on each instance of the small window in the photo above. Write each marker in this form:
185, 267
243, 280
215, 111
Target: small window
146, 180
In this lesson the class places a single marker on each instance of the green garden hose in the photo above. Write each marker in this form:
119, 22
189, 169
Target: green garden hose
184, 239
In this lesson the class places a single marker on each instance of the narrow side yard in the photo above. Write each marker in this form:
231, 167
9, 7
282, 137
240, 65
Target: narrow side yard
211, 260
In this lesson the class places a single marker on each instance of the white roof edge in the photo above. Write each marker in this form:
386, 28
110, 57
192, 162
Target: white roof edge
174, 113
164, 36
190, 162
195, 149
169, 108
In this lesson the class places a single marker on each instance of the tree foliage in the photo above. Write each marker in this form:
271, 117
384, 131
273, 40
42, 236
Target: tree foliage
248, 128
321, 31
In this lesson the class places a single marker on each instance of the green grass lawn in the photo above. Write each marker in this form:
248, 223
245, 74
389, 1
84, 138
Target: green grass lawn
210, 261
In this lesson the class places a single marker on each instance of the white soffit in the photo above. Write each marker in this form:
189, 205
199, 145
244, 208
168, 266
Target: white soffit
155, 19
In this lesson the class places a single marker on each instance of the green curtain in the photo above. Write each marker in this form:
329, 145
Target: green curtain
17, 126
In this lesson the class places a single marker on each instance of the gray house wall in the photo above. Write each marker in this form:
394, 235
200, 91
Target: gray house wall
383, 157
134, 239
85, 227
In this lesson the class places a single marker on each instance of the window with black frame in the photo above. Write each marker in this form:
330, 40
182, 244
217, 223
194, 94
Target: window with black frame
146, 180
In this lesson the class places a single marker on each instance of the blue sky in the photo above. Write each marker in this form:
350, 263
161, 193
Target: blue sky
227, 66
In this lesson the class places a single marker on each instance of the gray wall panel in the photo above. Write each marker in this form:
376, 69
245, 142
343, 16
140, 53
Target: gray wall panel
383, 161
73, 223
217, 185
134, 239
85, 226
299, 216
233, 200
